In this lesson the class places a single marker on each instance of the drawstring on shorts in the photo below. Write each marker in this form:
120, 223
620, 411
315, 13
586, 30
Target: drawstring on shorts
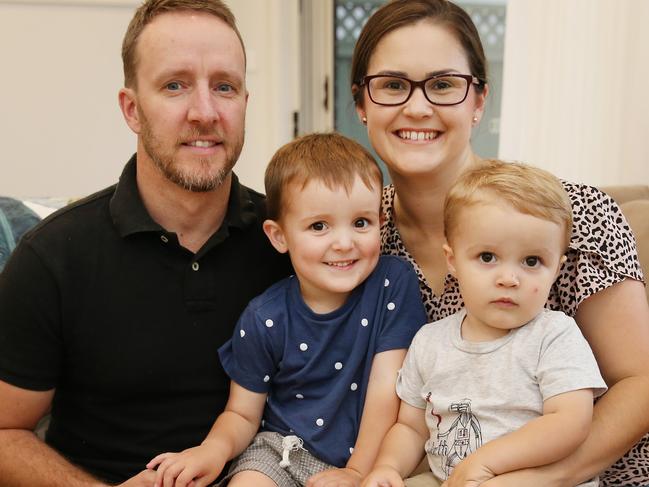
289, 443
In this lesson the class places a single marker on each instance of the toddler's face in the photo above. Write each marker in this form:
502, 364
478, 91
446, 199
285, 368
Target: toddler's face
505, 262
333, 239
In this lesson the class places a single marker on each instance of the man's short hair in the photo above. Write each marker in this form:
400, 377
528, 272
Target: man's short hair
331, 158
528, 189
150, 9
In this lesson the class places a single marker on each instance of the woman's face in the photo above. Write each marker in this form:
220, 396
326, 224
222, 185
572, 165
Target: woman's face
419, 137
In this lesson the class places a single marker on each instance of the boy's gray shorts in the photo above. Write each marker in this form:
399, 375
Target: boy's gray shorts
264, 454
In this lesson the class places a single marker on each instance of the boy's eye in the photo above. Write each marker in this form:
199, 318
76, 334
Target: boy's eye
318, 226
361, 223
532, 261
173, 86
487, 257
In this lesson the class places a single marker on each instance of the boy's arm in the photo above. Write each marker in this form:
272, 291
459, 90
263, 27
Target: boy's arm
232, 432
401, 450
379, 414
565, 424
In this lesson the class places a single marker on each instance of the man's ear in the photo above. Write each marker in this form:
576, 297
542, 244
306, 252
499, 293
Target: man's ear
275, 234
128, 104
450, 257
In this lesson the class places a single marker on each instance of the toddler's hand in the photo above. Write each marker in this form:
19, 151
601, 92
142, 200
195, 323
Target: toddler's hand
335, 477
383, 476
194, 467
470, 472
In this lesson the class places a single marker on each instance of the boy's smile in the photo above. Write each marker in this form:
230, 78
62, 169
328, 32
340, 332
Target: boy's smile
332, 238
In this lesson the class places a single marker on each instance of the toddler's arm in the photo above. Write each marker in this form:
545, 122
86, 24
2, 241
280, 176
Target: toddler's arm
379, 414
232, 432
565, 424
401, 450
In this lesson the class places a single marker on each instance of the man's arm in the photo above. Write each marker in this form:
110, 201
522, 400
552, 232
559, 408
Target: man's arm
25, 460
615, 322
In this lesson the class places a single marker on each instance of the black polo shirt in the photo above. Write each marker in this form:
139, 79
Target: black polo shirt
101, 303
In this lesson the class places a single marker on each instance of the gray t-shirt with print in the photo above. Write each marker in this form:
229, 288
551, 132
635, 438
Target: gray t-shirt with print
474, 392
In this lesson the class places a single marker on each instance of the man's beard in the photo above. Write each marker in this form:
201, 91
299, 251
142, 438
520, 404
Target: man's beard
205, 177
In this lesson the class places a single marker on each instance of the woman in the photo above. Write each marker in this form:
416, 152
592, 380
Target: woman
419, 82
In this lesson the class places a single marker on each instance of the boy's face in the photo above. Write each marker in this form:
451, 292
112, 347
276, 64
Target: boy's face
332, 239
505, 262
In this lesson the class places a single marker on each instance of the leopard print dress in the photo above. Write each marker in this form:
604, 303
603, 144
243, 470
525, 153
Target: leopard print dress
602, 252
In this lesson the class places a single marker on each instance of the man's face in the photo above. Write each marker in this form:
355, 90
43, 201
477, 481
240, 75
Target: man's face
190, 98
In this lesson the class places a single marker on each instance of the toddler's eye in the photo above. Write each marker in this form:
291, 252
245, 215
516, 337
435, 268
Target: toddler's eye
532, 261
487, 257
318, 226
361, 223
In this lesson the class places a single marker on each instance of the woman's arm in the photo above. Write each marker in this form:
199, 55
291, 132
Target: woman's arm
615, 321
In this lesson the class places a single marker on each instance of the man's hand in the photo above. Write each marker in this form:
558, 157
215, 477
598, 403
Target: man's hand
194, 467
383, 476
335, 477
470, 472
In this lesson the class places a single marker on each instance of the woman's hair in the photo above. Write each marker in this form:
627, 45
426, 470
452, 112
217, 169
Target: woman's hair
150, 9
400, 13
528, 189
331, 158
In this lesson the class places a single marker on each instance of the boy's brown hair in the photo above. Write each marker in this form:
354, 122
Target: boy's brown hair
150, 9
331, 158
528, 189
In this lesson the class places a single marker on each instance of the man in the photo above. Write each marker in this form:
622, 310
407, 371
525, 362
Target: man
112, 310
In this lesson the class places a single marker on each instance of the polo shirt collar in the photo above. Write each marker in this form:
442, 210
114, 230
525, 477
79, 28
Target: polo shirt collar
130, 216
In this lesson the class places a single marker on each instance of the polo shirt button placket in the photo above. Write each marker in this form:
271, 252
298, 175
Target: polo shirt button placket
195, 266
164, 239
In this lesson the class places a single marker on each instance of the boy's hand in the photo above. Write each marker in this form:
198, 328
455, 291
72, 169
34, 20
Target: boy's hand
335, 477
470, 472
194, 467
383, 476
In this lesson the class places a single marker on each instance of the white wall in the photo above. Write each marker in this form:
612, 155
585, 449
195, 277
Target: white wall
61, 130
575, 98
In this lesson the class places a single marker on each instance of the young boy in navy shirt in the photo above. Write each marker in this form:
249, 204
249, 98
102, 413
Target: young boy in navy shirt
314, 359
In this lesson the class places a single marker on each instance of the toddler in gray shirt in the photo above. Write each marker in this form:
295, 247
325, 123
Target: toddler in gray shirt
504, 384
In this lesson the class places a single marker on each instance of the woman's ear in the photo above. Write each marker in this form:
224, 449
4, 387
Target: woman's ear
450, 257
481, 100
360, 110
275, 234
128, 104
